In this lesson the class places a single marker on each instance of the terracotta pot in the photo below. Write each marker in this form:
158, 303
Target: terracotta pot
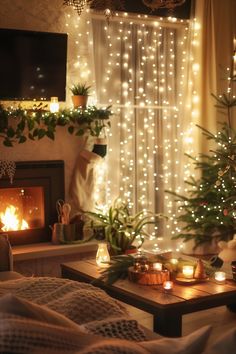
131, 250
79, 101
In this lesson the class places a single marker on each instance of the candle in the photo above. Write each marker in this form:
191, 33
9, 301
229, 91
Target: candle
168, 285
188, 271
157, 266
54, 105
102, 256
220, 277
174, 261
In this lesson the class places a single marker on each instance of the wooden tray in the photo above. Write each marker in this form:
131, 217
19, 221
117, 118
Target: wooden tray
185, 281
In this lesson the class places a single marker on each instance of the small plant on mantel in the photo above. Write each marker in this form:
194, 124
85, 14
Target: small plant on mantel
18, 125
80, 94
121, 228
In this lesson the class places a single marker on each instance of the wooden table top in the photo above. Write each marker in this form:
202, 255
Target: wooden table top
189, 298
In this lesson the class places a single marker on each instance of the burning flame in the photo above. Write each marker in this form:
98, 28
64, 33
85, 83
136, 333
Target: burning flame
10, 220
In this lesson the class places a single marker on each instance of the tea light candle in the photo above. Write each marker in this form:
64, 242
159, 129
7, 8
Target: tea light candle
188, 271
174, 261
168, 285
157, 266
220, 277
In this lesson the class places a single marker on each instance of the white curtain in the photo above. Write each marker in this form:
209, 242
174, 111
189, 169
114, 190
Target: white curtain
215, 55
143, 69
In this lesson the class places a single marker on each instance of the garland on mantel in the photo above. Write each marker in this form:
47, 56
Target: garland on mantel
17, 125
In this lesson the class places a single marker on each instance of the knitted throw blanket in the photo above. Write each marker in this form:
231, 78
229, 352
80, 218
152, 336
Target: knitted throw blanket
82, 303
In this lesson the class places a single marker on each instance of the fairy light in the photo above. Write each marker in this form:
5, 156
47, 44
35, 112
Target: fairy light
146, 163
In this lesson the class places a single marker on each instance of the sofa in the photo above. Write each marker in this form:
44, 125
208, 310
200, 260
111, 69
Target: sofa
54, 315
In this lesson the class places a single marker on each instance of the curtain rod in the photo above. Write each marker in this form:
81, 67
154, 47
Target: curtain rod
131, 17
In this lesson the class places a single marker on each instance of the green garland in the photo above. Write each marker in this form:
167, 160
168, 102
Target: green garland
17, 125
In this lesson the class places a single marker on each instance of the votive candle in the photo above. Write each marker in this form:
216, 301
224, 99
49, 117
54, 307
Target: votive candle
157, 266
168, 285
174, 261
188, 271
54, 105
220, 277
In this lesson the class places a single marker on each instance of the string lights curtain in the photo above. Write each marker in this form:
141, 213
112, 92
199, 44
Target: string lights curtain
142, 68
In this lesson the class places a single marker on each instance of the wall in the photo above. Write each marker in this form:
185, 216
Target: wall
50, 16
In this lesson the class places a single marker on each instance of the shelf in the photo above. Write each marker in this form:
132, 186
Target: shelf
47, 249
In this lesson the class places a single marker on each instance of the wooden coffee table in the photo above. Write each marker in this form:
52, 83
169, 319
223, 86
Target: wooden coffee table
167, 308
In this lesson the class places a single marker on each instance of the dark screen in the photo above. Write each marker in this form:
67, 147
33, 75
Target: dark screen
32, 65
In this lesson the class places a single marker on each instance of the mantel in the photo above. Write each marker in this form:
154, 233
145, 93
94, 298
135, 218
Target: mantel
47, 249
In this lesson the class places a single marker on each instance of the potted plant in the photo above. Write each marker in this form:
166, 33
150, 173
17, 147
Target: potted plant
121, 228
80, 93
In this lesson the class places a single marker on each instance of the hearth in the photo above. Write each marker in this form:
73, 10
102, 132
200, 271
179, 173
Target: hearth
28, 205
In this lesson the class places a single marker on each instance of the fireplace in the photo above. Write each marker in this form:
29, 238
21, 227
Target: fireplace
28, 205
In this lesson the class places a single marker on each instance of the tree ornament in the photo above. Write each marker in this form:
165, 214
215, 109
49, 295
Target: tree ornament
225, 212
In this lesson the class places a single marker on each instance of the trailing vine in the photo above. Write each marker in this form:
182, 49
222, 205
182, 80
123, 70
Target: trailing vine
17, 125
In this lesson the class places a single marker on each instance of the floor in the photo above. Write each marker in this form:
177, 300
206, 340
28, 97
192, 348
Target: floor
220, 318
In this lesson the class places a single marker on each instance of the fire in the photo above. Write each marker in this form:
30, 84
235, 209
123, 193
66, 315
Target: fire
11, 221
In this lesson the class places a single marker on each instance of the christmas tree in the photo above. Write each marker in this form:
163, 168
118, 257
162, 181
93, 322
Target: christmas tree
209, 209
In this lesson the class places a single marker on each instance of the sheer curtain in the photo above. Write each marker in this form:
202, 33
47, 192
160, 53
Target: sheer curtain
143, 68
218, 29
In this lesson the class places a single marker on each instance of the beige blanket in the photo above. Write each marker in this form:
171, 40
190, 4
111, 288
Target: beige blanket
80, 302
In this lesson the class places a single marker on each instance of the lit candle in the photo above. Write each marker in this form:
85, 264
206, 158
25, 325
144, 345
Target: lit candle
220, 277
188, 271
54, 105
157, 266
168, 285
174, 261
102, 256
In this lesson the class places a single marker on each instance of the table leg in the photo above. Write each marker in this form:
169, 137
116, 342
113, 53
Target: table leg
167, 323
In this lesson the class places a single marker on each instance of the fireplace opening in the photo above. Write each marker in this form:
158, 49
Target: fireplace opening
28, 205
21, 208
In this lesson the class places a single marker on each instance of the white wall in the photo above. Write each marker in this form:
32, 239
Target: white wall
50, 16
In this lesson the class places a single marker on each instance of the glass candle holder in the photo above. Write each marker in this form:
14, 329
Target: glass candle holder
168, 285
220, 277
174, 261
54, 105
188, 271
157, 266
102, 256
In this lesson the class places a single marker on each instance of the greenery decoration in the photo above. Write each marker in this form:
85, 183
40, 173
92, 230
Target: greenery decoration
119, 265
17, 125
80, 89
208, 210
122, 228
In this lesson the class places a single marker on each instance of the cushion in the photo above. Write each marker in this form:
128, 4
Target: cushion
117, 327
30, 328
24, 335
10, 304
10, 275
193, 343
226, 344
